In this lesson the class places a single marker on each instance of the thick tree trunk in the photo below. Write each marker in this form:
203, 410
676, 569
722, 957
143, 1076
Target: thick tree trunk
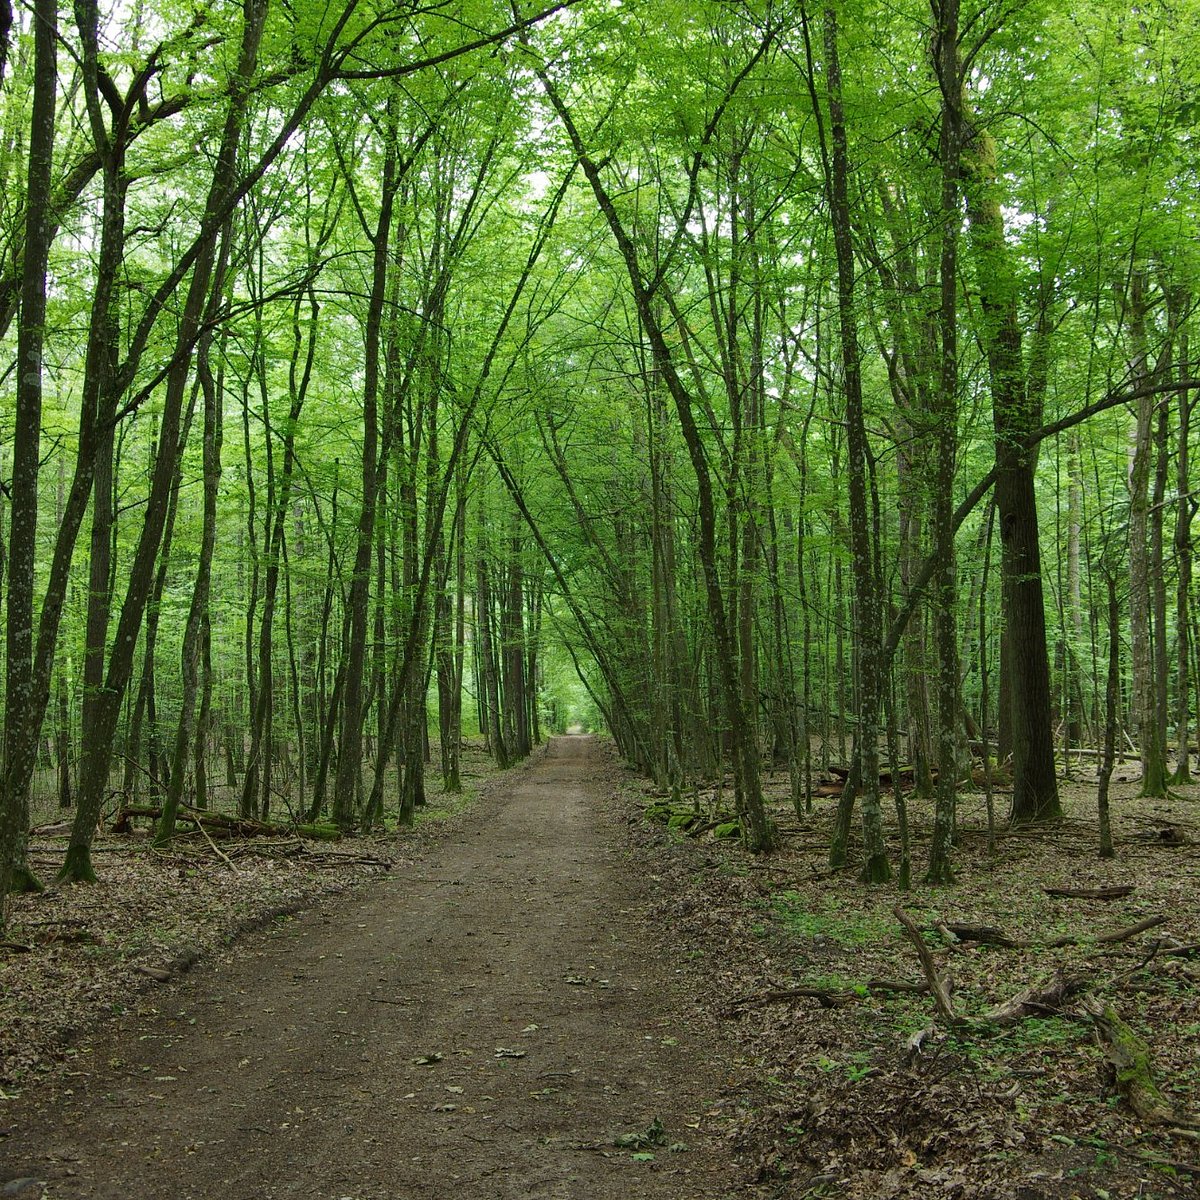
1016, 412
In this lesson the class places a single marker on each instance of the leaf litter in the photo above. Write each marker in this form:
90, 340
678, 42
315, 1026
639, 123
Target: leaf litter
848, 1082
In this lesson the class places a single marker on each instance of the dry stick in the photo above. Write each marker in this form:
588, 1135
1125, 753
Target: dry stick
937, 985
216, 850
1108, 939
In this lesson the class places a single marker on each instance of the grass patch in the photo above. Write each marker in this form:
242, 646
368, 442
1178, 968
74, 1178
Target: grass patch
831, 922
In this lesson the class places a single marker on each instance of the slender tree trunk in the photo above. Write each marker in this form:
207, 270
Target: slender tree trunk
279, 502
1075, 632
1184, 512
197, 619
204, 720
489, 686
1112, 700
946, 67
20, 740
348, 780
1145, 528
867, 627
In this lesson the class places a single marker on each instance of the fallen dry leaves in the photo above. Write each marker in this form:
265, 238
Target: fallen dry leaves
847, 1087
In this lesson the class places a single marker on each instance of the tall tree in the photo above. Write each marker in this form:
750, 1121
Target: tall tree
20, 732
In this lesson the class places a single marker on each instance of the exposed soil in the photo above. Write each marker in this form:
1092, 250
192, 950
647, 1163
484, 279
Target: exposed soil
491, 1021
553, 996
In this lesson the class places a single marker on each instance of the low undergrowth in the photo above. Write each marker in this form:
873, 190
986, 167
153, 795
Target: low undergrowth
853, 1085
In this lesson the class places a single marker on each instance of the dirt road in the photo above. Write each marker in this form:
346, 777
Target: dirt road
485, 1024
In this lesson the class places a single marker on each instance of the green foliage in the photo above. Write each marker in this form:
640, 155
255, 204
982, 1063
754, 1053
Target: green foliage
700, 121
832, 923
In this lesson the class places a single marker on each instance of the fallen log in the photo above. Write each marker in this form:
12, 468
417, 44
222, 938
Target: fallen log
1115, 892
1113, 936
1130, 1058
826, 997
1179, 949
897, 985
987, 935
1036, 1002
220, 825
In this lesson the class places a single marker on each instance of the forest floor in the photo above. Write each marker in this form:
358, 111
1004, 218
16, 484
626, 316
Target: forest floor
550, 996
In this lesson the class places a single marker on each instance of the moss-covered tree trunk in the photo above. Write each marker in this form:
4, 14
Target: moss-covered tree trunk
20, 728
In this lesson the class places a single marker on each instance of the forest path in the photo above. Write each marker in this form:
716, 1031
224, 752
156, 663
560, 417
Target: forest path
482, 1024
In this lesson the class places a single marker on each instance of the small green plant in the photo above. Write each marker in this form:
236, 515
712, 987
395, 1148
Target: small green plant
830, 922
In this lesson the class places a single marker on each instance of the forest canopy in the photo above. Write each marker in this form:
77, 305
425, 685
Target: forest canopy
770, 385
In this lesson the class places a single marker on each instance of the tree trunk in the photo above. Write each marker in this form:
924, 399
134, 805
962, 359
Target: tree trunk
1016, 413
197, 618
348, 780
867, 628
21, 734
489, 686
1112, 700
946, 67
1144, 518
1184, 512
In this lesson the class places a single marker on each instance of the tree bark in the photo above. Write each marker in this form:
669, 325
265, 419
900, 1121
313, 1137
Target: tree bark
1016, 413
21, 733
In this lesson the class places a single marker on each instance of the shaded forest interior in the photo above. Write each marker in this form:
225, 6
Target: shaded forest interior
773, 387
